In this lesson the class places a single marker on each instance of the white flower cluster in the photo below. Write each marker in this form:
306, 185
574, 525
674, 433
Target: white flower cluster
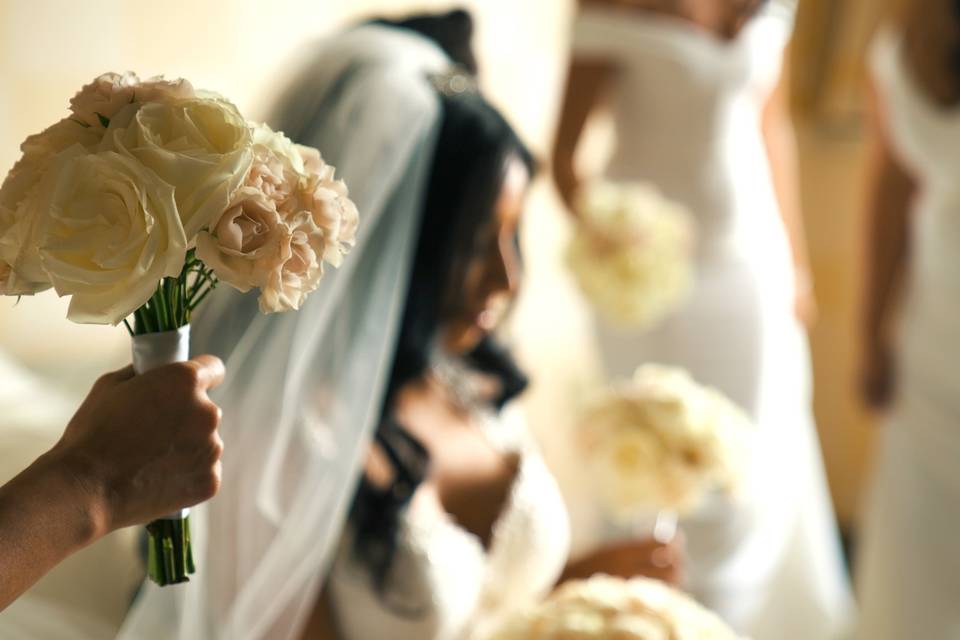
632, 253
606, 608
106, 202
663, 442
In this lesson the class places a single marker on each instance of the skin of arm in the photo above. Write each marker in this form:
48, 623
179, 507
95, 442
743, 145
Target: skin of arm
589, 82
781, 146
321, 625
629, 559
891, 191
137, 448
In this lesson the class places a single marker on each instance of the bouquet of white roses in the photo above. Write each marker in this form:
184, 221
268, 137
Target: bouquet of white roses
603, 608
632, 252
144, 198
662, 443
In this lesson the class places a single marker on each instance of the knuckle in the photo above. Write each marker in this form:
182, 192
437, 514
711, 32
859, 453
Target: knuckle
209, 414
204, 415
187, 376
103, 382
209, 485
216, 448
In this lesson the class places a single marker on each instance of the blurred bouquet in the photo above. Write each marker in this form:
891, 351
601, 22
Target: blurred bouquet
144, 198
662, 443
603, 608
632, 253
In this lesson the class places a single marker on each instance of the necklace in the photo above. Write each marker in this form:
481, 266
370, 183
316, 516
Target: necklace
468, 390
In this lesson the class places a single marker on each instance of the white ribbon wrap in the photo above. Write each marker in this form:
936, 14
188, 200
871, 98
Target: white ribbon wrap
152, 350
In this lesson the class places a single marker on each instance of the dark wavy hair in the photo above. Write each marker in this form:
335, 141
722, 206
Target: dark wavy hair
451, 31
467, 177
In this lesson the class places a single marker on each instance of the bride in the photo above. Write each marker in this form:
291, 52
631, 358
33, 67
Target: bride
457, 523
691, 86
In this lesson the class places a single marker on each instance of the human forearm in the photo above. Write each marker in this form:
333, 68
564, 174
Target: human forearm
887, 241
782, 149
588, 83
887, 234
781, 146
47, 512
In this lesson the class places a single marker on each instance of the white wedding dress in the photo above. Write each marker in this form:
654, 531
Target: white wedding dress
909, 567
444, 585
687, 111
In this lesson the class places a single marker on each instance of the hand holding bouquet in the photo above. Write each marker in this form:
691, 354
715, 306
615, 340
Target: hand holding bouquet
632, 252
147, 196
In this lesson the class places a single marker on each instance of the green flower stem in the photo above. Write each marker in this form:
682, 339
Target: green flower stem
174, 299
162, 306
195, 303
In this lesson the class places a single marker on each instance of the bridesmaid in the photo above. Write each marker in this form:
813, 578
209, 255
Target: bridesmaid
695, 93
909, 568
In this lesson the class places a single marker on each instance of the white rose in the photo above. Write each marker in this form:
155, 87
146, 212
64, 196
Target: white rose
19, 259
96, 104
201, 146
158, 89
248, 243
108, 231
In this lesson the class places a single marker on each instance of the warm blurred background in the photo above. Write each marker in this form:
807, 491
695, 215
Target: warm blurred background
246, 49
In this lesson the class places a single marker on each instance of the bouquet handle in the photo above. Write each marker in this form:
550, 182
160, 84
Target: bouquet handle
666, 525
169, 552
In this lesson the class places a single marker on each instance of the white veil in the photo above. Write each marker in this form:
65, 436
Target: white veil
304, 389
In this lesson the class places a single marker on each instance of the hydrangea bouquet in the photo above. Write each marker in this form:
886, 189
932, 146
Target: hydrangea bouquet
632, 252
604, 608
660, 443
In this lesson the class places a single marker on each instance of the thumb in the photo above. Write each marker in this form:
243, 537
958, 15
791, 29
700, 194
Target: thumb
209, 369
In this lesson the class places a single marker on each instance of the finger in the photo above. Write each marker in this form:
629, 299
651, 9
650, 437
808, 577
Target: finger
210, 370
116, 377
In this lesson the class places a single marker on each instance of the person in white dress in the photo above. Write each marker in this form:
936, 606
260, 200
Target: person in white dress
457, 523
694, 96
908, 567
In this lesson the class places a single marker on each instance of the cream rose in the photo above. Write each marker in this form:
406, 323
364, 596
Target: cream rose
299, 269
96, 104
108, 231
332, 211
277, 167
248, 243
299, 180
200, 145
100, 100
19, 258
